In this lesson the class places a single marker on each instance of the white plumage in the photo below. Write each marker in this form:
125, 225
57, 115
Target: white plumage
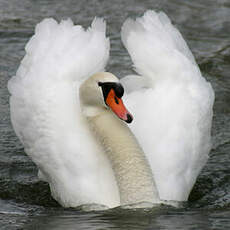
173, 107
46, 116
171, 103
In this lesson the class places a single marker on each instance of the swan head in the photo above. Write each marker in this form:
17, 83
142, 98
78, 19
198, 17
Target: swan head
100, 92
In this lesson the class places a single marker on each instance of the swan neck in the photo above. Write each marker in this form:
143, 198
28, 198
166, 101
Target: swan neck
132, 171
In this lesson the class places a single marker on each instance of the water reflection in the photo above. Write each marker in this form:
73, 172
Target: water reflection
164, 220
89, 221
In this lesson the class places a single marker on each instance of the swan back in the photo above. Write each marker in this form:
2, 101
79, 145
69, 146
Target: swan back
46, 114
171, 102
164, 54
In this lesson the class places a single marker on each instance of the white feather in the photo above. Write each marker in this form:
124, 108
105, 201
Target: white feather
46, 116
172, 118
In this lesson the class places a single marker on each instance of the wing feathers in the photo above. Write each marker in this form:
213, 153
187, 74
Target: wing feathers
173, 116
156, 47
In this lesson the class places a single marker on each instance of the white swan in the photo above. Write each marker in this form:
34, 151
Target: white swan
85, 153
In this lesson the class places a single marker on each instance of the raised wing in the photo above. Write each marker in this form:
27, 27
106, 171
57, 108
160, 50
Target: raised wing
45, 110
172, 107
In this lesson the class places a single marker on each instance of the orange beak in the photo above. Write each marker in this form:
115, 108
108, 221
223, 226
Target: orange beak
117, 106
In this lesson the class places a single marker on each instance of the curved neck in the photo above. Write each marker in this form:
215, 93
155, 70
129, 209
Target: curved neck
132, 171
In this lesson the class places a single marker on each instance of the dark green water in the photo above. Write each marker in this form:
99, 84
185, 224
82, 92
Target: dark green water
25, 202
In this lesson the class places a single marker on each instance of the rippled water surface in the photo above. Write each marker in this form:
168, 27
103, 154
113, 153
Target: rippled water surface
25, 202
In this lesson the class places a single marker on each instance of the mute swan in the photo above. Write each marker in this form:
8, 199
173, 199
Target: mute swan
60, 100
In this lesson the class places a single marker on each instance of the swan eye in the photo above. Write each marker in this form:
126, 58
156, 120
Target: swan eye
115, 86
116, 100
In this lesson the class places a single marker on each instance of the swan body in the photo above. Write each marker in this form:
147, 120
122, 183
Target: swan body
85, 153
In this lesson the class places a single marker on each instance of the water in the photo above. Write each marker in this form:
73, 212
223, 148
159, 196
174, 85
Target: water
25, 202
